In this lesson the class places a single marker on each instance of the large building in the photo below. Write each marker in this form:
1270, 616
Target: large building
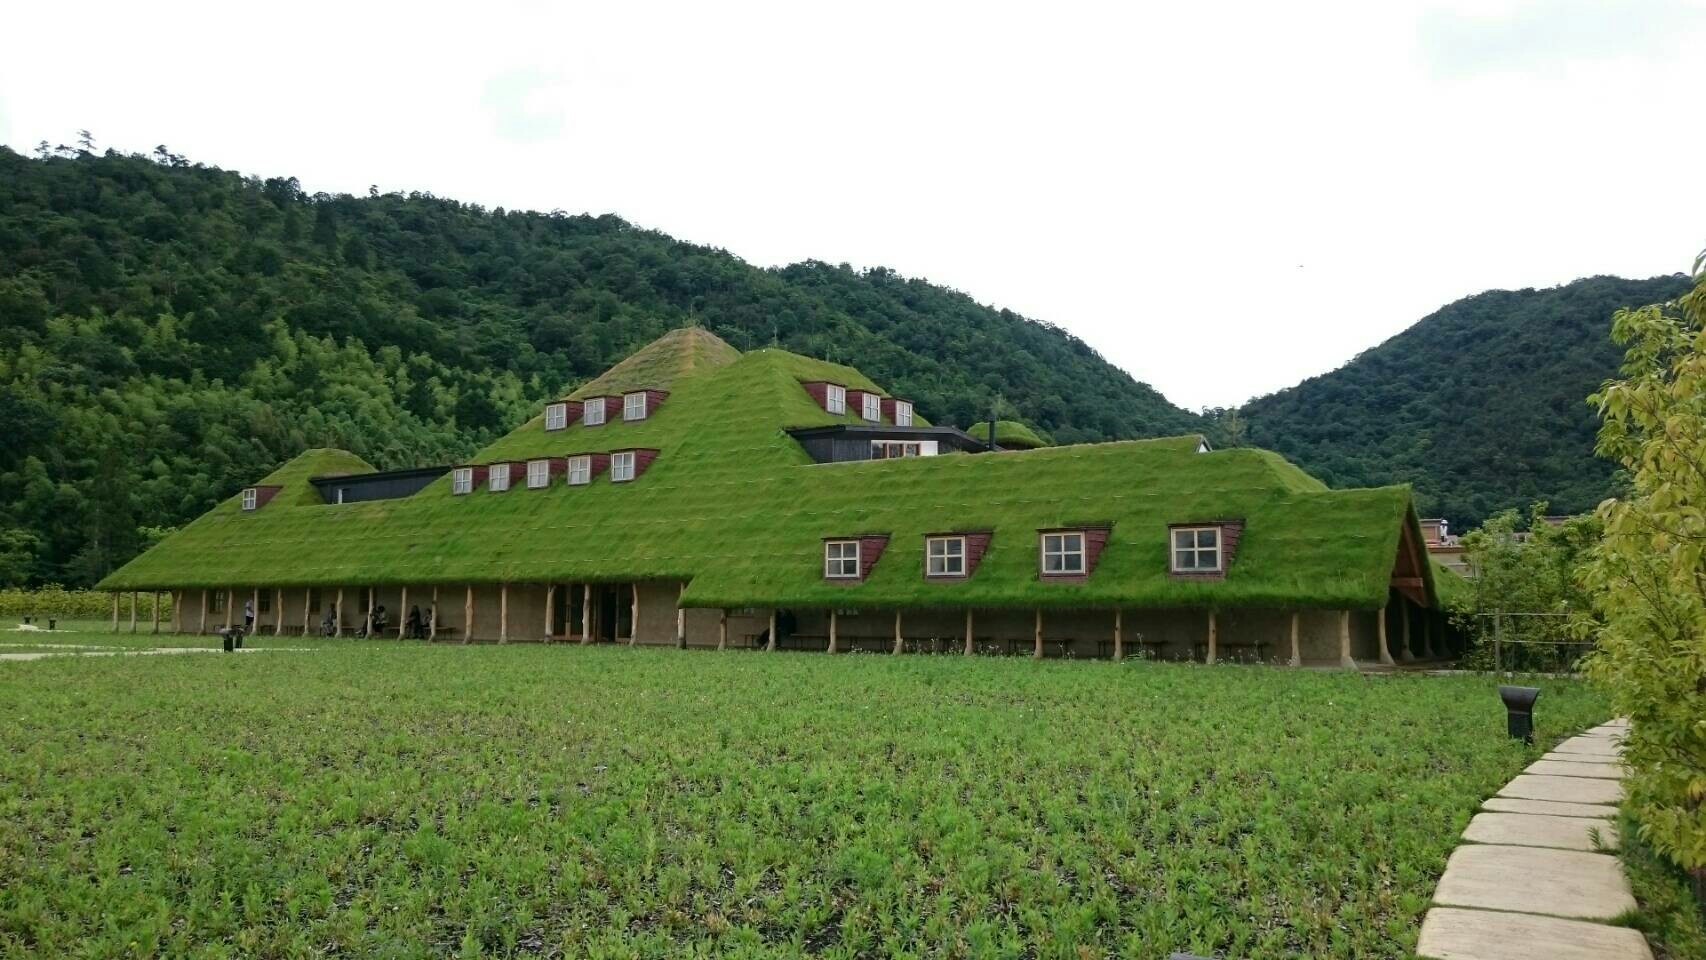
694, 495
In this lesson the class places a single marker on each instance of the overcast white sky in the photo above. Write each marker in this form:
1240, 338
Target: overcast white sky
1278, 185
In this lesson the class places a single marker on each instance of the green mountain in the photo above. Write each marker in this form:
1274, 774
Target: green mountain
169, 332
1480, 406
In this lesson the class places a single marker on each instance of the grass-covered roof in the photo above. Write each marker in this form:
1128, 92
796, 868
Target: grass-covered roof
1010, 434
734, 505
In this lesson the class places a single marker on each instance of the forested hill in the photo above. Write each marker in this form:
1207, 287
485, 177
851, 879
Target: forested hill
169, 332
1480, 406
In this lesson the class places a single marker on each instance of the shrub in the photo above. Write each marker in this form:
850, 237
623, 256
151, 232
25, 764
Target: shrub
54, 600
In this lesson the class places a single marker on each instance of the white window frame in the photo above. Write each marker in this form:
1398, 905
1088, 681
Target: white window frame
251, 498
622, 466
635, 405
836, 559
908, 448
538, 474
951, 551
1059, 547
556, 416
498, 477
580, 470
1196, 549
872, 408
461, 481
592, 411
902, 413
835, 398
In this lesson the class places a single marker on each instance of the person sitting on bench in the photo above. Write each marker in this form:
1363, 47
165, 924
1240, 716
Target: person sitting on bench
412, 627
380, 621
329, 622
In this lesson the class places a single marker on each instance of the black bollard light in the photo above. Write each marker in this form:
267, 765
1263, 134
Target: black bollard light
225, 635
1519, 711
26, 619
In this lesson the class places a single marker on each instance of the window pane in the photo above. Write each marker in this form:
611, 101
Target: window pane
1208, 538
1184, 560
955, 547
1073, 541
1182, 539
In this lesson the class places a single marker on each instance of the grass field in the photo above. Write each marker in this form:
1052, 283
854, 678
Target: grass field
393, 799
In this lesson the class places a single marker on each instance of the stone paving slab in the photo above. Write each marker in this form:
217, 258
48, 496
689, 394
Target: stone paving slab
1539, 830
1594, 746
1530, 786
1568, 768
1579, 758
1449, 934
1622, 722
1560, 883
1550, 808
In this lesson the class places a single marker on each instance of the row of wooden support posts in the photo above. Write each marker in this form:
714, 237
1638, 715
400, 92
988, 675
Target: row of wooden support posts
133, 596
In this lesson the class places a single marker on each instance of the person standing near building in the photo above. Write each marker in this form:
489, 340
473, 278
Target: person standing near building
249, 616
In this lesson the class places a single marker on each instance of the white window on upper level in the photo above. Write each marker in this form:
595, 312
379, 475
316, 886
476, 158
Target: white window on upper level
835, 398
1063, 554
556, 416
251, 497
592, 411
890, 449
497, 477
538, 474
462, 480
873, 408
634, 406
841, 559
622, 466
902, 413
580, 471
945, 556
1196, 550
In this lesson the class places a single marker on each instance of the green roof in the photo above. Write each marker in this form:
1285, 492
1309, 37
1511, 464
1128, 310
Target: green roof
676, 354
734, 505
1010, 434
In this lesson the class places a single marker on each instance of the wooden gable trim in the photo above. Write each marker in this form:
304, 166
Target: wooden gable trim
1408, 570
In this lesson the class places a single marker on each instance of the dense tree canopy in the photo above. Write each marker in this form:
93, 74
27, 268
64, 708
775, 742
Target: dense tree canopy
169, 332
1480, 406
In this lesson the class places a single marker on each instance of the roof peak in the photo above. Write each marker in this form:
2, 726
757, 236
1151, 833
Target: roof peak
679, 353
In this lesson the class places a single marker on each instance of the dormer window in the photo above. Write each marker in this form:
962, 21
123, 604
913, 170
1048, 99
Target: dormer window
538, 474
251, 498
580, 471
556, 416
461, 480
634, 406
945, 556
497, 478
1063, 554
902, 413
835, 398
592, 411
841, 559
873, 407
622, 466
1197, 550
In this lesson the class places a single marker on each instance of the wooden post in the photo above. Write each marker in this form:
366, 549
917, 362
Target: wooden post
681, 619
177, 611
307, 614
432, 622
723, 628
133, 611
367, 629
230, 601
1119, 636
503, 613
899, 644
255, 608
770, 640
1385, 648
550, 611
633, 613
338, 615
468, 616
1212, 631
832, 618
156, 611
278, 611
1037, 638
1345, 641
402, 612
201, 628
1404, 652
586, 613
1498, 643
1296, 647
971, 646
115, 611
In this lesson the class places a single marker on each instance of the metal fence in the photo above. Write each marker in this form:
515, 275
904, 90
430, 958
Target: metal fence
1530, 642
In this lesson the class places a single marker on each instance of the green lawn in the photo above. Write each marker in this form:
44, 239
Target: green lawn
394, 799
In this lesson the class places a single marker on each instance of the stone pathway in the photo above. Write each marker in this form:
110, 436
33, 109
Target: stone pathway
1533, 880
